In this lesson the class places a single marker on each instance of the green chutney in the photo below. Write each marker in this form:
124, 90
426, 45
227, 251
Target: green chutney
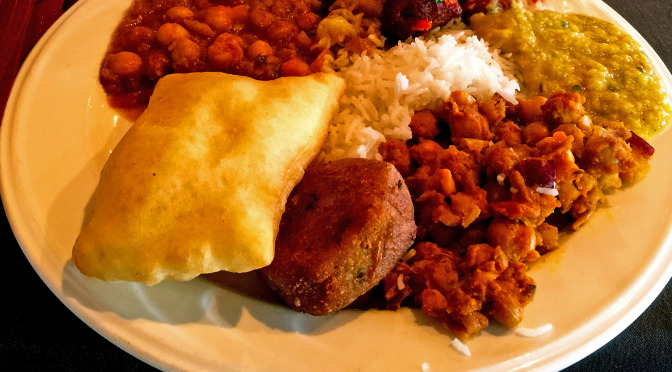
582, 54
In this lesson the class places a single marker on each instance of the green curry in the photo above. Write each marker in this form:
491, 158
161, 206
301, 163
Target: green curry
582, 54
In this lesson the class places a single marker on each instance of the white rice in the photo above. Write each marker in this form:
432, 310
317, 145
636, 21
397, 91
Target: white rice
461, 347
385, 89
548, 191
534, 332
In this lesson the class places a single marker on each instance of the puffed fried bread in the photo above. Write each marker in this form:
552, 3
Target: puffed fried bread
199, 182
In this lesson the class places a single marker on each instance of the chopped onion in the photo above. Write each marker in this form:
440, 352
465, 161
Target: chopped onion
400, 282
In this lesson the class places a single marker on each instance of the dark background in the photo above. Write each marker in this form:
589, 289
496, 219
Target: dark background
37, 332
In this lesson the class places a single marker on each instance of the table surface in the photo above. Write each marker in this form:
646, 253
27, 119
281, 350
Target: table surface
37, 332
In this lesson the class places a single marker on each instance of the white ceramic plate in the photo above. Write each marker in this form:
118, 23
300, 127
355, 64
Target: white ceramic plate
58, 131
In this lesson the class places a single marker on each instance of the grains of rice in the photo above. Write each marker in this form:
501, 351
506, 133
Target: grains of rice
548, 191
408, 255
385, 89
534, 332
425, 367
461, 347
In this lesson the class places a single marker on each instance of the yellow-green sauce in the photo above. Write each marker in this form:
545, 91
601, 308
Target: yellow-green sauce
582, 54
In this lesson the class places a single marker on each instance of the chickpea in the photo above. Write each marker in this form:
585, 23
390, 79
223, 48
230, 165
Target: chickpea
136, 38
157, 64
462, 98
516, 239
178, 14
240, 12
563, 108
202, 4
282, 8
294, 67
424, 124
169, 32
286, 54
535, 132
261, 19
226, 51
184, 53
529, 110
307, 21
281, 30
125, 64
219, 18
259, 49
314, 5
302, 40
300, 7
507, 310
267, 69
199, 28
467, 122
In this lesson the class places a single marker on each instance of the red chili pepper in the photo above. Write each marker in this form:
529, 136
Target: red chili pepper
640, 144
422, 25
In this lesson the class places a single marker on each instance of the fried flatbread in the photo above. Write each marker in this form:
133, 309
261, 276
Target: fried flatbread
199, 182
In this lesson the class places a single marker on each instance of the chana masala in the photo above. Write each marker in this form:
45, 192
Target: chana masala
259, 39
492, 184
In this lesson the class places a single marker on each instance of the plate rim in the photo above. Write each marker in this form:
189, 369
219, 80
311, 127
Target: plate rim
16, 217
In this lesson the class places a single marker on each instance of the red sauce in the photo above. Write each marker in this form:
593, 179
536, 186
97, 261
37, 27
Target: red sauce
263, 39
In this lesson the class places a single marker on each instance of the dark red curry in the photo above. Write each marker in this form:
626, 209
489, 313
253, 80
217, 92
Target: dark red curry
263, 39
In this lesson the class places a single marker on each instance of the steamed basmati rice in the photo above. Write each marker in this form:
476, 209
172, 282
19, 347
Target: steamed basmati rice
534, 332
385, 89
461, 347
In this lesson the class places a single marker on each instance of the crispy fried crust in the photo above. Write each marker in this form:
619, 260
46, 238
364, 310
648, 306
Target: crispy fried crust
345, 226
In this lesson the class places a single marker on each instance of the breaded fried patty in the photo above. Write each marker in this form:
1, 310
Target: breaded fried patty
345, 226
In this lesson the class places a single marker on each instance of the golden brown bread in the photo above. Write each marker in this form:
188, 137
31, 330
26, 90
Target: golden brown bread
200, 181
346, 225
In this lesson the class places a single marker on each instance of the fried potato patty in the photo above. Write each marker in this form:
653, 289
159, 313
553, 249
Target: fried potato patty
345, 226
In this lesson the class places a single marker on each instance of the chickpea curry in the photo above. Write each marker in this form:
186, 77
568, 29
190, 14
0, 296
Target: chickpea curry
492, 184
259, 39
